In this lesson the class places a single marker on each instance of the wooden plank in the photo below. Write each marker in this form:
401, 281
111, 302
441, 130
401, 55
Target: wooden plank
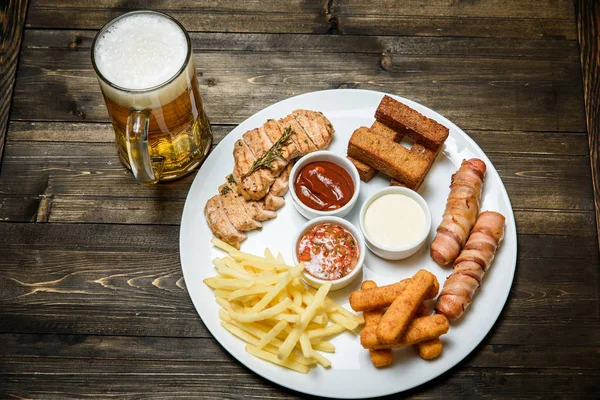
185, 351
512, 93
482, 8
126, 280
514, 142
399, 25
437, 18
588, 20
12, 17
53, 380
85, 182
164, 239
78, 40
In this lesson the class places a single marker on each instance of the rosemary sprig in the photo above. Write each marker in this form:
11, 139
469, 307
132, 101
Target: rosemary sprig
275, 151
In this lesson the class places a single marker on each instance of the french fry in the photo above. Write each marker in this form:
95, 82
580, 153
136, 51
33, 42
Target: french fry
239, 293
307, 349
291, 318
272, 334
329, 330
280, 258
266, 313
340, 319
231, 284
401, 311
268, 254
224, 316
223, 293
272, 358
321, 359
238, 331
305, 318
327, 347
264, 303
222, 245
231, 263
274, 291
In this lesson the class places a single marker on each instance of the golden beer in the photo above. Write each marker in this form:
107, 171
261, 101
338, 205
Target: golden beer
144, 64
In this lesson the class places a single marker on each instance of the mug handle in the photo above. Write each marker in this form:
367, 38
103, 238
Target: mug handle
136, 139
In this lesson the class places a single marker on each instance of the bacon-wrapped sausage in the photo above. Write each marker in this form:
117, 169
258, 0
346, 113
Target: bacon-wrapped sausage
461, 211
471, 264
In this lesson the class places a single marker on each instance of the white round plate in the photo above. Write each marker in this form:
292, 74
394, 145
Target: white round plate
352, 374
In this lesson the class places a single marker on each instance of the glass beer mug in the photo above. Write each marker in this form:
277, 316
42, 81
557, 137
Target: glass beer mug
143, 61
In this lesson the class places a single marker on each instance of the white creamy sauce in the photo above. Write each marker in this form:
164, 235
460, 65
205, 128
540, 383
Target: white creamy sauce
395, 221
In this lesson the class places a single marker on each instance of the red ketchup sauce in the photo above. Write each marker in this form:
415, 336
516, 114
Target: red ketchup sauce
324, 186
328, 251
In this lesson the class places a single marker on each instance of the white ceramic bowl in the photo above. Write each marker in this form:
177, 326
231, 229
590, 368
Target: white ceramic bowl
343, 162
398, 253
343, 281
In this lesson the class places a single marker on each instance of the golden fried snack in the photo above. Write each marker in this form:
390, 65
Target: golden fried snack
419, 330
401, 118
383, 357
365, 172
429, 349
383, 296
398, 316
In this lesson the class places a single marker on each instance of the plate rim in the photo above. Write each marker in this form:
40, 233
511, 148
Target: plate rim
510, 224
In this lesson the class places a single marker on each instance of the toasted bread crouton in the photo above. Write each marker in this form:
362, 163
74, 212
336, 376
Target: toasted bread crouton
386, 156
407, 121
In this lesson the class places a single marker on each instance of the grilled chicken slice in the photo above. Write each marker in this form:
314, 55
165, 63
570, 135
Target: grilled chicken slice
274, 199
256, 185
280, 186
254, 208
246, 200
259, 143
316, 126
300, 139
272, 129
237, 212
220, 225
271, 202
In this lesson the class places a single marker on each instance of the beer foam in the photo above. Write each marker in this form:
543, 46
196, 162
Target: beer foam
140, 51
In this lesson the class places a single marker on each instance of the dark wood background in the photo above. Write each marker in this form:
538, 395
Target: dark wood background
92, 300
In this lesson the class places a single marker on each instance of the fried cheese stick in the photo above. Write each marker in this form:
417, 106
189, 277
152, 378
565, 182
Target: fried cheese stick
471, 265
382, 357
429, 349
383, 296
419, 330
398, 316
461, 211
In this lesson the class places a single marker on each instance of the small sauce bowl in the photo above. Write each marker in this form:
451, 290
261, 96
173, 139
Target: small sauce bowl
328, 156
399, 252
345, 280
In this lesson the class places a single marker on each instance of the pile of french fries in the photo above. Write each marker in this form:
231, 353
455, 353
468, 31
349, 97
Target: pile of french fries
264, 302
405, 322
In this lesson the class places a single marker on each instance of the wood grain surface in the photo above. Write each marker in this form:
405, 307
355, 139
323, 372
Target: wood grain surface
12, 21
92, 298
588, 21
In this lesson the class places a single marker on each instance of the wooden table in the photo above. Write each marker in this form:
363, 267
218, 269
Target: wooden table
93, 301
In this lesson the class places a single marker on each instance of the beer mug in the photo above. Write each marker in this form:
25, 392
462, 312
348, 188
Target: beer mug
143, 61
